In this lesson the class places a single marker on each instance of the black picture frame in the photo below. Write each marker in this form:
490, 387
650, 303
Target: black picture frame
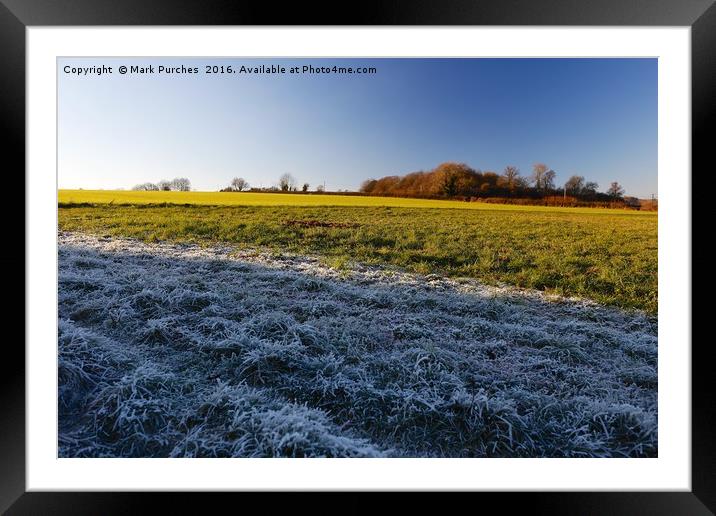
16, 15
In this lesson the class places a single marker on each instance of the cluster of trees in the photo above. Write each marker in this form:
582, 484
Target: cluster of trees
286, 183
178, 184
238, 184
458, 180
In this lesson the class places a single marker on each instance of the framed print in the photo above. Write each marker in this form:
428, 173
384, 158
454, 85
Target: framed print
418, 250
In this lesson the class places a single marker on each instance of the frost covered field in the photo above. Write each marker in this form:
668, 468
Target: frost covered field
176, 350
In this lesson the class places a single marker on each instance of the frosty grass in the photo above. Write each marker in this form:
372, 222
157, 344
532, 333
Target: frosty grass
183, 351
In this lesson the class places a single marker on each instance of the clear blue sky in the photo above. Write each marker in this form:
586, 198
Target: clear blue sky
592, 117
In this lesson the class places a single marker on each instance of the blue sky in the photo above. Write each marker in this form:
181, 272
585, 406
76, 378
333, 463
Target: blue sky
592, 117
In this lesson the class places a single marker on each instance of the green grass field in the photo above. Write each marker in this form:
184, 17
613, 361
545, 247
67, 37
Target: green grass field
606, 255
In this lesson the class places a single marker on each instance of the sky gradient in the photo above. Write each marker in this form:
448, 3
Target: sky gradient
591, 117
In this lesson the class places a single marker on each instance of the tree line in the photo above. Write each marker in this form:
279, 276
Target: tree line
178, 184
452, 180
286, 183
459, 181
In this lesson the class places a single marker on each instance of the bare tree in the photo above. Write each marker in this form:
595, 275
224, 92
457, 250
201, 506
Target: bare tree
511, 177
615, 190
181, 184
305, 187
287, 183
239, 184
164, 185
540, 176
574, 185
320, 188
149, 187
548, 180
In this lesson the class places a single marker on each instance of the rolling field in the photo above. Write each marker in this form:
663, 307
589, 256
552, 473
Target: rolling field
279, 199
196, 328
609, 256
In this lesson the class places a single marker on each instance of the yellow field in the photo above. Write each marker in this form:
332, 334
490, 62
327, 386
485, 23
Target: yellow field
279, 199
